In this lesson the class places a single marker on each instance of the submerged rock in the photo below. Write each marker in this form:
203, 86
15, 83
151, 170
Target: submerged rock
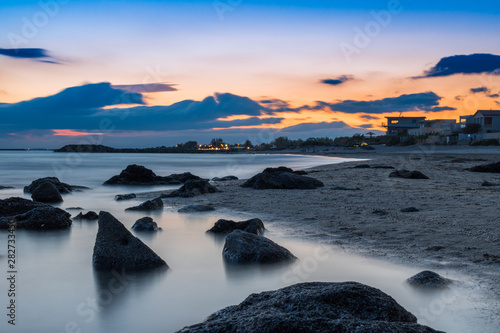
196, 209
87, 216
490, 168
192, 188
317, 307
408, 174
282, 178
117, 249
39, 218
63, 188
223, 179
428, 279
254, 226
139, 175
242, 247
46, 192
129, 196
154, 204
145, 224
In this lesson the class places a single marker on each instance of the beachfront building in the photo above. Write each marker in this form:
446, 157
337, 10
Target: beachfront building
401, 125
435, 127
489, 121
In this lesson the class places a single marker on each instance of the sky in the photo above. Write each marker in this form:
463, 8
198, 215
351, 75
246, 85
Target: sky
150, 73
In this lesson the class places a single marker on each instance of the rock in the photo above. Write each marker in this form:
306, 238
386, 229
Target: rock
196, 209
488, 184
367, 147
88, 216
15, 206
281, 178
435, 248
428, 279
192, 188
74, 208
409, 210
242, 247
490, 168
380, 212
117, 249
5, 187
63, 188
139, 175
361, 166
341, 188
408, 174
129, 196
317, 307
39, 218
382, 167
154, 204
254, 226
145, 224
223, 179
46, 192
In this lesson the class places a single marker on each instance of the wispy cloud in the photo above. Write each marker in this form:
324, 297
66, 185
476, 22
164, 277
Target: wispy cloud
478, 63
40, 55
337, 81
146, 87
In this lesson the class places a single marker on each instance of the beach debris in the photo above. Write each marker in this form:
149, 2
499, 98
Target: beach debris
409, 210
135, 174
129, 196
282, 178
32, 215
242, 247
223, 179
90, 215
196, 209
117, 249
314, 307
490, 168
408, 174
192, 188
428, 279
145, 224
63, 188
155, 204
46, 192
254, 226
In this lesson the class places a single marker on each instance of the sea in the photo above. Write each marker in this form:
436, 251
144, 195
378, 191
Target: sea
57, 290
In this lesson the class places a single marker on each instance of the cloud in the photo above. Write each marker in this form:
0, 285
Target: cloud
368, 117
145, 87
465, 64
29, 53
337, 81
494, 95
479, 90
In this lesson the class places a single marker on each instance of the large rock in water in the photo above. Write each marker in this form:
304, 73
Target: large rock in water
15, 206
61, 187
281, 178
408, 174
192, 188
254, 226
139, 175
491, 168
39, 218
145, 224
46, 192
242, 247
428, 279
117, 249
154, 204
318, 307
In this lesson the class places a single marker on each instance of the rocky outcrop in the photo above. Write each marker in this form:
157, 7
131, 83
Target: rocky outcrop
242, 247
15, 206
139, 175
254, 226
196, 209
408, 174
192, 188
46, 192
63, 188
318, 307
87, 216
154, 204
120, 197
282, 178
224, 179
145, 224
43, 217
490, 168
428, 279
117, 249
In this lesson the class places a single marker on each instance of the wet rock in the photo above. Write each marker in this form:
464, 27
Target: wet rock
74, 208
40, 218
490, 168
145, 224
380, 212
428, 279
5, 187
196, 209
87, 216
63, 188
409, 210
242, 247
281, 178
46, 192
435, 248
488, 184
361, 166
192, 188
223, 179
254, 226
317, 307
154, 204
117, 249
341, 188
139, 175
408, 174
129, 196
15, 206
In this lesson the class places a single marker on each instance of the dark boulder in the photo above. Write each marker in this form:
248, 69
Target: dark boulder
139, 175
281, 178
192, 188
254, 226
46, 192
318, 307
39, 218
242, 247
63, 188
184, 177
129, 196
15, 206
196, 209
428, 279
223, 179
490, 168
87, 216
409, 210
408, 174
117, 249
145, 224
154, 204
74, 208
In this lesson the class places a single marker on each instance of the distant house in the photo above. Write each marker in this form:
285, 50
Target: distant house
489, 120
435, 127
401, 125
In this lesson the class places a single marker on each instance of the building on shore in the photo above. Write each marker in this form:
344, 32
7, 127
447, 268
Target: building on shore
401, 125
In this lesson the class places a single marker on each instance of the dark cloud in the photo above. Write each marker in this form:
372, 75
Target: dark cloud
465, 64
24, 53
337, 81
314, 127
494, 95
479, 90
367, 126
368, 117
146, 87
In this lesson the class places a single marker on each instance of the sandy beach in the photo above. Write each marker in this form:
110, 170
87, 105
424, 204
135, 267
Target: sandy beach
359, 210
